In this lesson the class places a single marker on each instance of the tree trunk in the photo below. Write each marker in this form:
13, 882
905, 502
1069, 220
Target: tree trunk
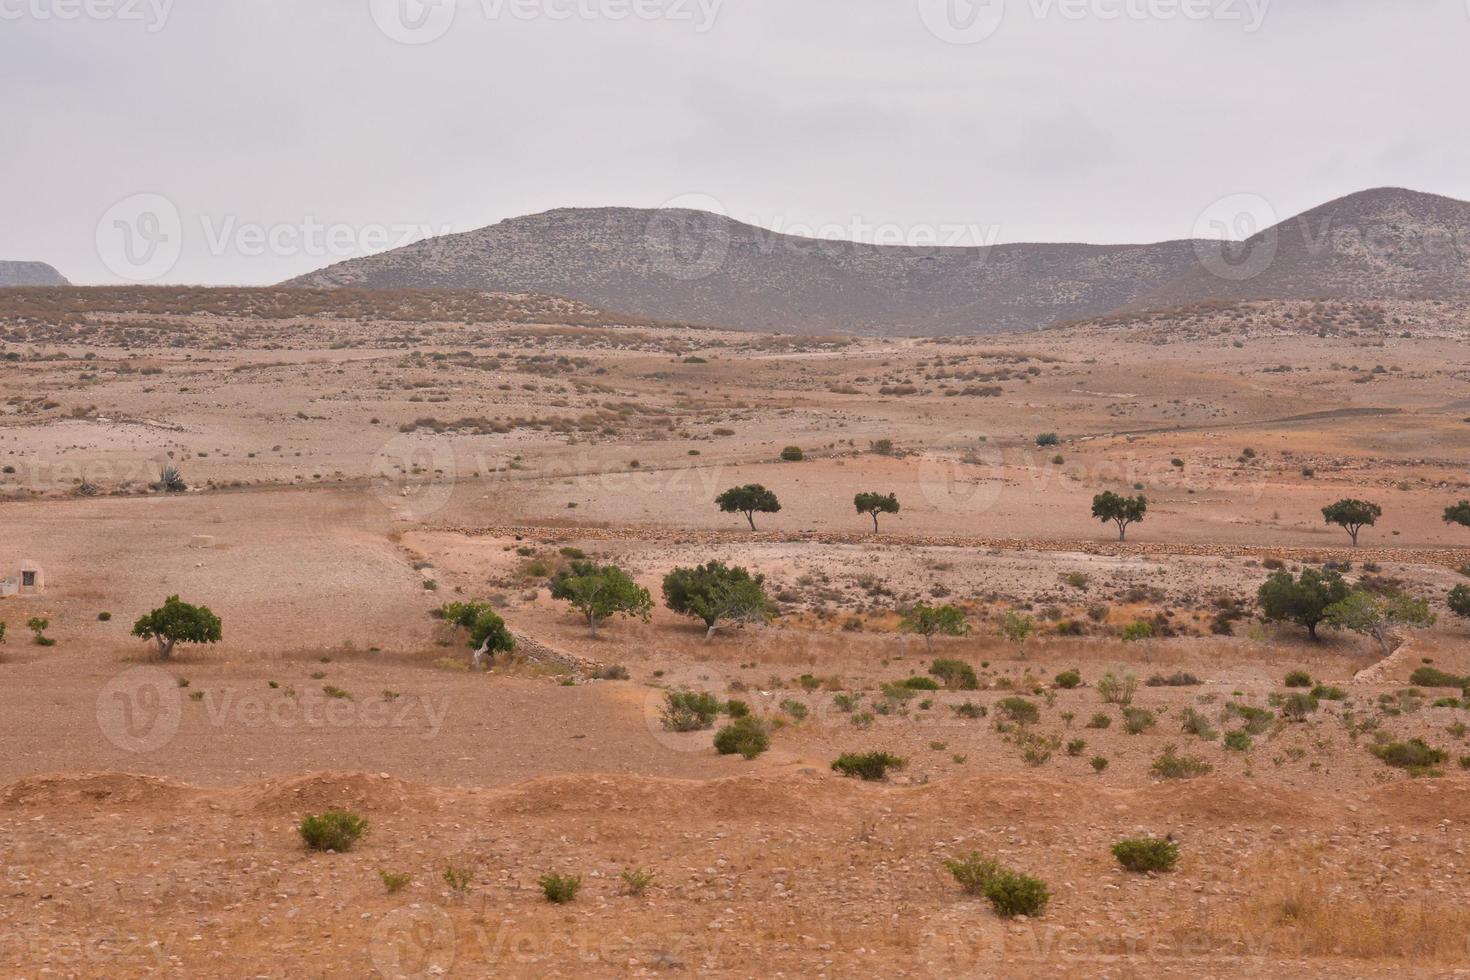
592, 624
1353, 533
1122, 531
750, 516
1312, 630
875, 522
929, 642
709, 634
165, 649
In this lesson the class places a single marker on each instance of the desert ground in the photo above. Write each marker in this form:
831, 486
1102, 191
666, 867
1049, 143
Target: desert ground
354, 460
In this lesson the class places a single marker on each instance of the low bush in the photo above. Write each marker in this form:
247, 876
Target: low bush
1019, 710
1415, 755
746, 736
1171, 765
1012, 894
334, 830
1177, 679
559, 889
1136, 721
1238, 741
1069, 679
1100, 720
870, 766
972, 872
1298, 678
955, 674
1144, 854
1296, 707
1117, 690
689, 711
1434, 677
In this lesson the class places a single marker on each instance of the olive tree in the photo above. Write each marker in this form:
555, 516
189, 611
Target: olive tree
1352, 516
1458, 600
1017, 627
717, 594
1122, 511
1379, 616
874, 504
178, 622
930, 621
1458, 514
599, 592
748, 500
487, 631
1303, 601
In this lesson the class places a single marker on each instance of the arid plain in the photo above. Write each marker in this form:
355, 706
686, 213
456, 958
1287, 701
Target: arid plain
356, 459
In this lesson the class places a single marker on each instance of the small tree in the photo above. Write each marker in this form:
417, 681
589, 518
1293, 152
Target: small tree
1458, 514
1352, 516
487, 632
874, 504
1017, 627
748, 500
1458, 601
1379, 616
717, 593
1122, 511
929, 621
1141, 632
600, 591
178, 622
1302, 601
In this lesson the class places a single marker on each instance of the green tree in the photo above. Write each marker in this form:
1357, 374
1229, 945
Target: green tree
1379, 616
1141, 632
1458, 601
1302, 601
1122, 511
874, 504
1458, 514
600, 591
178, 622
748, 500
487, 631
1352, 516
930, 621
2, 631
717, 594
1017, 627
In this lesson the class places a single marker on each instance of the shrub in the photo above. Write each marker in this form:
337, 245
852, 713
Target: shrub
614, 672
1414, 755
1195, 723
969, 710
334, 830
1117, 690
1019, 710
689, 711
1076, 747
1145, 854
870, 766
1296, 707
1178, 679
559, 889
1068, 679
955, 674
1048, 439
1099, 763
1298, 678
1012, 894
636, 880
1434, 677
737, 708
1100, 720
1171, 765
972, 872
1136, 721
1256, 720
1238, 741
920, 684
104, 617
394, 881
792, 454
1324, 693
746, 736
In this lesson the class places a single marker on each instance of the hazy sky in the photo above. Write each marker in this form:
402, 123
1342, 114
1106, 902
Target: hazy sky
269, 137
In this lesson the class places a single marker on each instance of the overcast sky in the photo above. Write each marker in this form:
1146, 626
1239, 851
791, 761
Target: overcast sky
248, 141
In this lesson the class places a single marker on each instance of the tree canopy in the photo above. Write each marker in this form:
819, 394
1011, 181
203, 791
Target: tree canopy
1458, 514
930, 621
1301, 601
1458, 601
178, 622
600, 591
1122, 511
486, 629
1378, 616
874, 504
1352, 515
716, 593
748, 500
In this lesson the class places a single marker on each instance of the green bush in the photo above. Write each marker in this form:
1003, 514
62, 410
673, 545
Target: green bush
747, 736
792, 454
1100, 720
1298, 678
1117, 690
1434, 677
689, 711
1239, 741
1144, 854
1324, 693
1099, 763
1255, 720
969, 710
1195, 723
559, 889
920, 684
972, 872
1296, 707
1415, 755
1012, 894
956, 674
1171, 765
1069, 679
334, 830
1136, 721
869, 766
1177, 679
1019, 710
1076, 747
